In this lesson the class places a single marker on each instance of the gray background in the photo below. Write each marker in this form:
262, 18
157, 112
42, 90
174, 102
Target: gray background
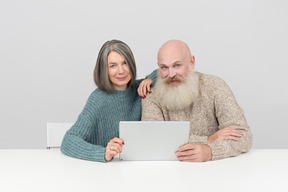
49, 48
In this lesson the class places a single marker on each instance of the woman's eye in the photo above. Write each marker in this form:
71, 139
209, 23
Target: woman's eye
177, 65
112, 66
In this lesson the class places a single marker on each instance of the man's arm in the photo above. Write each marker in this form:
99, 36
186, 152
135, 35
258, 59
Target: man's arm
229, 114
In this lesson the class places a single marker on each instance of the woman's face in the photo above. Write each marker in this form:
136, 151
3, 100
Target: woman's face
118, 71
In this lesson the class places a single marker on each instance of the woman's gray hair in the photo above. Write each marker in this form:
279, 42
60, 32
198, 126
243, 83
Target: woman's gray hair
101, 77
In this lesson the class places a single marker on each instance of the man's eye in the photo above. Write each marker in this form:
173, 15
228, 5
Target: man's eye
164, 67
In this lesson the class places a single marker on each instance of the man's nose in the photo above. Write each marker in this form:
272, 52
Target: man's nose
172, 73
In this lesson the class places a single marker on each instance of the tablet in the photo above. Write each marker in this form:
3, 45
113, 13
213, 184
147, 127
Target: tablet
152, 140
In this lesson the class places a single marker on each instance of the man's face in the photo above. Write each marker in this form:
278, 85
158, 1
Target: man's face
174, 65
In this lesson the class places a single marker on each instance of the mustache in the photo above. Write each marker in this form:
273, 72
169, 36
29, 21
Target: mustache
168, 80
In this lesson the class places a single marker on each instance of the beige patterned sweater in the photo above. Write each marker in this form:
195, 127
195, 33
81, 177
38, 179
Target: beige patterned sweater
214, 109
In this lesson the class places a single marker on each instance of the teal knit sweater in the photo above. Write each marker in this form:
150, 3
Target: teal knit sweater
98, 123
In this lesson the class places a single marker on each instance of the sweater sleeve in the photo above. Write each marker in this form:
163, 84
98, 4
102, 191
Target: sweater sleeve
152, 76
229, 114
76, 142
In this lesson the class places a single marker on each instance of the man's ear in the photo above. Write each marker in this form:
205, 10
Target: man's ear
193, 61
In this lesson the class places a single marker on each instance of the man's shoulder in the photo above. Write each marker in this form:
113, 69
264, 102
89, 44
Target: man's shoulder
212, 84
210, 80
209, 77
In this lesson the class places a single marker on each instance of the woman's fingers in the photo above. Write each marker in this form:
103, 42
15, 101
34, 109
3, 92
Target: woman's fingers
109, 154
112, 153
117, 140
115, 147
140, 90
144, 88
115, 144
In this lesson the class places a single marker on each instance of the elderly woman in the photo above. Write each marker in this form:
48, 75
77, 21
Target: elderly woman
95, 134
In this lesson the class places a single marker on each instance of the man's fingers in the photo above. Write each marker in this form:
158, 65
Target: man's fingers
184, 153
187, 158
233, 133
186, 147
231, 138
231, 130
236, 134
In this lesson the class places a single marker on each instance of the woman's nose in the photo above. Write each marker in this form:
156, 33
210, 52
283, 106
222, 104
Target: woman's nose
120, 70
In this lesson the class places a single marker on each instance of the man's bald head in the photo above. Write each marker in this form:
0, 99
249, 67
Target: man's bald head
174, 47
175, 59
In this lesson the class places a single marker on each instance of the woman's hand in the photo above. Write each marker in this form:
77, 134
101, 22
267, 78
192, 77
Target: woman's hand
144, 87
227, 133
113, 148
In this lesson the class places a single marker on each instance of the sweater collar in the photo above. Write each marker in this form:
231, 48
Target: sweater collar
123, 93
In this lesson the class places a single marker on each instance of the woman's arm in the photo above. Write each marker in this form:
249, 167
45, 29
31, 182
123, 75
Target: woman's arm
75, 142
144, 85
79, 140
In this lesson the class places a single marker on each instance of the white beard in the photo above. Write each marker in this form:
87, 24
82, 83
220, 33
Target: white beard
177, 97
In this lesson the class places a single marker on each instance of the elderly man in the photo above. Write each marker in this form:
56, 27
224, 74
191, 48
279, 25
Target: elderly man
218, 128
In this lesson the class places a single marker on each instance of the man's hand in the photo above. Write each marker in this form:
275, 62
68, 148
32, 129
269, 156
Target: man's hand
194, 153
227, 133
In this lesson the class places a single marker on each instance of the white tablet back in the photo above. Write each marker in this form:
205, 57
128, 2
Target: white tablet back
152, 140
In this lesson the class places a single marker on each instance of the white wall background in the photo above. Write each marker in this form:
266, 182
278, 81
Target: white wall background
48, 51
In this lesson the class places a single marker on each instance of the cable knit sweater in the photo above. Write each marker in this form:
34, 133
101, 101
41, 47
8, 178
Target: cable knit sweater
214, 109
98, 123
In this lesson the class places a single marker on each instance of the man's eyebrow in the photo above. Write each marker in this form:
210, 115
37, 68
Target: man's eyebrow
172, 63
161, 65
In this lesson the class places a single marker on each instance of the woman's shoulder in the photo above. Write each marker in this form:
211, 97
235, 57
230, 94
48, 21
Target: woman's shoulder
97, 97
98, 93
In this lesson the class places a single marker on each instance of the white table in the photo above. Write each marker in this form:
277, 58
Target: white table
49, 170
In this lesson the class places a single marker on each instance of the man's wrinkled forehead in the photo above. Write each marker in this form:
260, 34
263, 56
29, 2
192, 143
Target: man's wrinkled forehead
172, 52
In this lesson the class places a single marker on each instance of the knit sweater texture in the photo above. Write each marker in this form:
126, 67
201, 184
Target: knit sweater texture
98, 122
215, 108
